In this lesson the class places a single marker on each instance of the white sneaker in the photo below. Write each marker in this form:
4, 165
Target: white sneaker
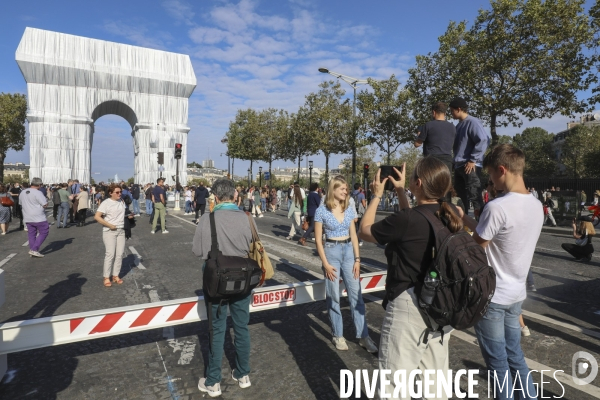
360, 243
260, 216
36, 254
213, 391
368, 344
340, 343
244, 381
152, 232
165, 231
525, 331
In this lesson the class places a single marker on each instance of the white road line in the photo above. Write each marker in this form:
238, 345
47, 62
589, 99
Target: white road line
534, 365
138, 259
183, 219
572, 327
25, 244
545, 269
7, 259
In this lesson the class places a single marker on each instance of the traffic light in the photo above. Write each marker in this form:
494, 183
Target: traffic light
178, 148
161, 158
366, 170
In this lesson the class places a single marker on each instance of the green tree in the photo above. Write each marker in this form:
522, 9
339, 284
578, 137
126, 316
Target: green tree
272, 128
409, 155
581, 143
520, 58
540, 159
329, 120
364, 155
130, 181
193, 164
301, 140
244, 140
595, 49
386, 115
13, 111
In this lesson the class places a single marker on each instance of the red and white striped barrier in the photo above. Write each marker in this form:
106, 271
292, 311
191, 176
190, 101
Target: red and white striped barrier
51, 331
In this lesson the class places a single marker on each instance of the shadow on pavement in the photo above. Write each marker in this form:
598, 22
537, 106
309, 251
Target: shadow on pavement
56, 245
56, 295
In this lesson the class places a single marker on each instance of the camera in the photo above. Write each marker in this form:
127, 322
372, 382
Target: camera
388, 170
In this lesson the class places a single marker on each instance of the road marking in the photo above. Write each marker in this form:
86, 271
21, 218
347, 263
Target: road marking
7, 259
572, 327
544, 269
25, 244
138, 259
534, 365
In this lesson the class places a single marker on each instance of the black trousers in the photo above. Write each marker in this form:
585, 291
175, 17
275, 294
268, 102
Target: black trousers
200, 209
578, 251
468, 187
55, 211
82, 214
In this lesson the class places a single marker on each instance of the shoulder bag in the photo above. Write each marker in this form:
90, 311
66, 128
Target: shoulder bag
7, 201
259, 254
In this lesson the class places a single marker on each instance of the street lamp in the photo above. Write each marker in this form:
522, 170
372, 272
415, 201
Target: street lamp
248, 178
310, 167
225, 140
259, 176
354, 82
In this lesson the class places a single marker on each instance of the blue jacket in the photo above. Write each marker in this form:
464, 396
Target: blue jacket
314, 201
201, 195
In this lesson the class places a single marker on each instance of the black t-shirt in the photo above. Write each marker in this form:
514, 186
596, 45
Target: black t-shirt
408, 239
16, 192
437, 137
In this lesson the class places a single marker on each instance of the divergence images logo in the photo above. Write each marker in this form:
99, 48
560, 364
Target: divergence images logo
582, 361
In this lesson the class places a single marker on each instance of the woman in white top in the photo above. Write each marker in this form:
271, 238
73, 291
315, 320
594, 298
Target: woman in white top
188, 201
111, 215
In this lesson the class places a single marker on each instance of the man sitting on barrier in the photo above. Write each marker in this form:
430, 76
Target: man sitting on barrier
234, 236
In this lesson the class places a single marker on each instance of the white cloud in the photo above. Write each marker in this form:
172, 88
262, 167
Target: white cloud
179, 10
138, 35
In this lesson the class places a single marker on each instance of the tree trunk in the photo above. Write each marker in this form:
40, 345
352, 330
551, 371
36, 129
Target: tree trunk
493, 129
232, 162
251, 180
299, 159
270, 162
2, 158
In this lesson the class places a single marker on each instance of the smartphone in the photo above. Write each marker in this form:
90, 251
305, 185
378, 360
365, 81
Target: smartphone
387, 170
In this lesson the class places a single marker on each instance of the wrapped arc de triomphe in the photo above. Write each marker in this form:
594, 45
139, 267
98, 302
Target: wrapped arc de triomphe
72, 81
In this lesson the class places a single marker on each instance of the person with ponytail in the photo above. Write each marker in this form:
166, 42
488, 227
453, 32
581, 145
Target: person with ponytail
409, 241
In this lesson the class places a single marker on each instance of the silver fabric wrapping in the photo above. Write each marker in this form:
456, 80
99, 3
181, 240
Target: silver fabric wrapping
72, 81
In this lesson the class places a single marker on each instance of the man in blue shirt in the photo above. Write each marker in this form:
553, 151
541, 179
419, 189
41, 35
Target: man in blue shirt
470, 144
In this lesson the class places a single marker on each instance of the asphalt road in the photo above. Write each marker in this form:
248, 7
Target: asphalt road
292, 354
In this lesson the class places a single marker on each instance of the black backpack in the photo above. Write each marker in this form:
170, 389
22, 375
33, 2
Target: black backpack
228, 277
466, 281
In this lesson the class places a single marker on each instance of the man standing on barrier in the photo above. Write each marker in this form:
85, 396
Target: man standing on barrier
33, 204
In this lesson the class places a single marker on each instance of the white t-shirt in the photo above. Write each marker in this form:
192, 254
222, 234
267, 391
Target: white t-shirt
188, 195
301, 192
114, 213
32, 203
513, 223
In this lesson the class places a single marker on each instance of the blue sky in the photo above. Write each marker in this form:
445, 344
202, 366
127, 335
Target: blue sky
245, 54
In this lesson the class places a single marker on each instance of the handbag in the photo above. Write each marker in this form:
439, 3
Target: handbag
7, 201
259, 254
305, 224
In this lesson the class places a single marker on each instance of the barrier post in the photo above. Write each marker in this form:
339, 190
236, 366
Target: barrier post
3, 357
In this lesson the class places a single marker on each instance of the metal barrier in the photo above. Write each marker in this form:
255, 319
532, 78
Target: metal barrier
71, 328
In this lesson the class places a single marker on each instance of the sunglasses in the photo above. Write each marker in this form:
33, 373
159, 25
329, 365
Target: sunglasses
119, 192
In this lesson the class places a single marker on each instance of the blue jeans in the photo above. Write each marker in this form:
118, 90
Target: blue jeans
188, 206
530, 278
499, 336
263, 205
136, 206
240, 316
341, 257
148, 207
63, 213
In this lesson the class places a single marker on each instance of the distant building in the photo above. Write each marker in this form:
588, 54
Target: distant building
14, 169
209, 174
208, 163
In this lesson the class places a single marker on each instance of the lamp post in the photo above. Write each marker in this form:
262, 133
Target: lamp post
225, 140
259, 177
310, 167
249, 178
354, 82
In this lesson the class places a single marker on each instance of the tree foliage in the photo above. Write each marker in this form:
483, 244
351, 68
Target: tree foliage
540, 159
13, 111
578, 152
385, 114
521, 58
